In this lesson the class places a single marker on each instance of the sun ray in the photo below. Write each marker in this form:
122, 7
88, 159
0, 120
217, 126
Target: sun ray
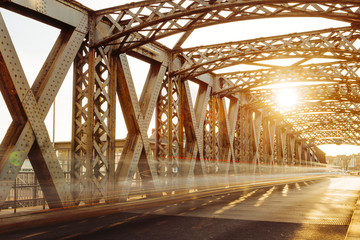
286, 98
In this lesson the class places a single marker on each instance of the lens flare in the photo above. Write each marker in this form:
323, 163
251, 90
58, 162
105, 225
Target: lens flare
15, 158
286, 97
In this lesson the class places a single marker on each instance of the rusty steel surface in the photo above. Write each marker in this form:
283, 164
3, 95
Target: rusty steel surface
234, 126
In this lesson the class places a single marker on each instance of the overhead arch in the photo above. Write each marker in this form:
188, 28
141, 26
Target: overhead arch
232, 119
331, 43
346, 72
153, 20
317, 93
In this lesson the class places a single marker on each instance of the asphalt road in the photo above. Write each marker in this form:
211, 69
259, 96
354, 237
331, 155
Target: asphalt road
320, 209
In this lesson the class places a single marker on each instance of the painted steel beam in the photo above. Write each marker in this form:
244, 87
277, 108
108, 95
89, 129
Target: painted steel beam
256, 124
158, 19
137, 114
334, 72
315, 93
193, 144
208, 129
335, 43
35, 103
58, 13
326, 114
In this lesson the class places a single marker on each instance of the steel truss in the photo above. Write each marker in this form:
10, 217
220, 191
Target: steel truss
334, 72
235, 125
332, 43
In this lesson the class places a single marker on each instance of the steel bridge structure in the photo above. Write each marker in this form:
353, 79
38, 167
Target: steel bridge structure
234, 121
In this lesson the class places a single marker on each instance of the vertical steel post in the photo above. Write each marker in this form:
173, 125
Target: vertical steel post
15, 195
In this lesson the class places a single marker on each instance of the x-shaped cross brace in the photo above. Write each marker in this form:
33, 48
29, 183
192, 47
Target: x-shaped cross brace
137, 116
27, 135
193, 125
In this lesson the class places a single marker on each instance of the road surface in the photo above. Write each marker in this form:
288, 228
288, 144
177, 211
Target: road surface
317, 209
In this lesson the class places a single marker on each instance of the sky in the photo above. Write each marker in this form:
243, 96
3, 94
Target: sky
34, 40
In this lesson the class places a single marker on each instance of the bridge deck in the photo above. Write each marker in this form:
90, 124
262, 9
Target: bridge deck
310, 209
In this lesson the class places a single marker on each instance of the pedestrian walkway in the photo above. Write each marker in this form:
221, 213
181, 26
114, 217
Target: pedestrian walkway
353, 232
20, 211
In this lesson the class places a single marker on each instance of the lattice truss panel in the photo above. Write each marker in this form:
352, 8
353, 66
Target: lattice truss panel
211, 143
333, 44
168, 142
139, 23
234, 119
333, 72
93, 125
80, 118
157, 19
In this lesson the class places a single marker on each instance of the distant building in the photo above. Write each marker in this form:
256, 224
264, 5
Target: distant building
347, 163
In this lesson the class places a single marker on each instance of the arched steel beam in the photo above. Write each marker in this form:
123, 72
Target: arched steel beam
335, 72
346, 131
338, 43
318, 128
332, 137
326, 107
315, 93
314, 120
331, 123
337, 141
158, 19
253, 57
325, 118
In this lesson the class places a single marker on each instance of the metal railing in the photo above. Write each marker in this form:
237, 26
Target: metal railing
26, 192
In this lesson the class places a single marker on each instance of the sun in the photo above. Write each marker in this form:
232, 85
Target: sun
286, 97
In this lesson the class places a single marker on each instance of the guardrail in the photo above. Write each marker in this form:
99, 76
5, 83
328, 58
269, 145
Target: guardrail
26, 192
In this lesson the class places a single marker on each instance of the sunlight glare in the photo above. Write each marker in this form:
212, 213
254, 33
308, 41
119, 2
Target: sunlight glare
286, 97
342, 149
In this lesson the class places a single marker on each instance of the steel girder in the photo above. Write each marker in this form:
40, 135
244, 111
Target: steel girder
137, 24
325, 119
315, 93
93, 125
333, 44
322, 124
327, 108
225, 126
157, 19
345, 72
137, 155
27, 135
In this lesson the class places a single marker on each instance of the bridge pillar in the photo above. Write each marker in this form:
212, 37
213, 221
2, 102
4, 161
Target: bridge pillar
136, 156
257, 124
93, 138
192, 127
251, 114
169, 141
209, 136
266, 149
283, 137
292, 149
299, 153
271, 133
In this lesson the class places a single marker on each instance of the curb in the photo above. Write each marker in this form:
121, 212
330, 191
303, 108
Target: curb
353, 232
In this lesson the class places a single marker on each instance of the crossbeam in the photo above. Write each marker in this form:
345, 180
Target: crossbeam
331, 43
159, 19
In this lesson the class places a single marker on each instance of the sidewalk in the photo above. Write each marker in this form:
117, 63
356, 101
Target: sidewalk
353, 232
20, 211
